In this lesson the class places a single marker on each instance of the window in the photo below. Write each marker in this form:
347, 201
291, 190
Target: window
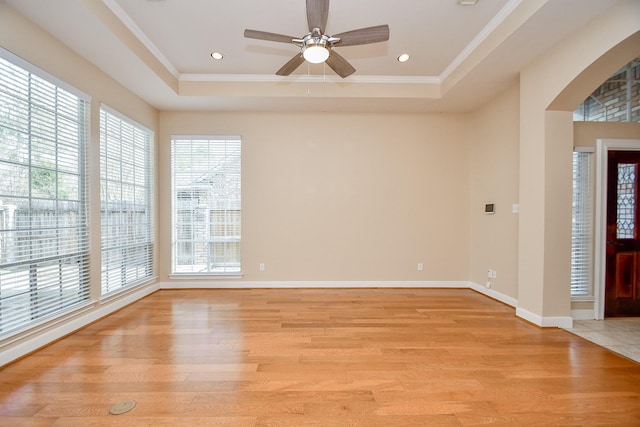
626, 201
205, 173
616, 100
126, 197
582, 225
44, 240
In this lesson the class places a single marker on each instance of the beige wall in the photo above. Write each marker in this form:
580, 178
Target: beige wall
341, 197
546, 138
586, 134
493, 150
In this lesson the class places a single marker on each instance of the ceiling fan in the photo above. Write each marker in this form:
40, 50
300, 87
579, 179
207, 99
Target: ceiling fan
317, 47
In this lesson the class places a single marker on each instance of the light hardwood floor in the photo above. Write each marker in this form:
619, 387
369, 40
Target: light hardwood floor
367, 357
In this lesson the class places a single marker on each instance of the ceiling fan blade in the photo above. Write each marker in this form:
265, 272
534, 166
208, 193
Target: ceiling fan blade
317, 14
272, 37
379, 33
339, 65
290, 66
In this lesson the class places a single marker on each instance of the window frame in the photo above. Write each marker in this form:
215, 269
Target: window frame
583, 224
137, 257
205, 185
58, 154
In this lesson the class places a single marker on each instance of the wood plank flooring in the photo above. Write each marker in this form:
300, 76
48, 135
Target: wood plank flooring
320, 357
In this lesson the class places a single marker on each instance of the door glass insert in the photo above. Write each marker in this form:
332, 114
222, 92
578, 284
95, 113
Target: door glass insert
626, 216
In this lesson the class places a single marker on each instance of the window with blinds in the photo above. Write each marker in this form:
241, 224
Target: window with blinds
205, 184
582, 225
126, 196
44, 240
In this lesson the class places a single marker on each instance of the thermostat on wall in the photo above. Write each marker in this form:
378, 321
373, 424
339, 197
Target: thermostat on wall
489, 209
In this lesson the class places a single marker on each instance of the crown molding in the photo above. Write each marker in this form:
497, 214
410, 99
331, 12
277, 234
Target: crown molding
141, 36
497, 20
268, 78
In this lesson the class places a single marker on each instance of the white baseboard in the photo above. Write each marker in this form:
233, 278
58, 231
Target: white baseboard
35, 339
238, 284
545, 322
506, 299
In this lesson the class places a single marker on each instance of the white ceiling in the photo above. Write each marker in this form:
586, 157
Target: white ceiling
461, 56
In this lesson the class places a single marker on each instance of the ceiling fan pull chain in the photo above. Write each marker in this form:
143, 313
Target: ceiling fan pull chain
308, 79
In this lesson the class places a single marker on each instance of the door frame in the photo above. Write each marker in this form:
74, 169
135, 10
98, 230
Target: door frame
603, 146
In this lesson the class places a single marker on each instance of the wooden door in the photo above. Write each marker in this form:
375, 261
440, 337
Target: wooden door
622, 285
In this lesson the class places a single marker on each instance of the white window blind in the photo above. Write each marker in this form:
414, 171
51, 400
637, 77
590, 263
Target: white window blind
126, 196
205, 174
582, 225
44, 241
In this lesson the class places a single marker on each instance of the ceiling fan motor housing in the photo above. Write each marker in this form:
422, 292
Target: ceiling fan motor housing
315, 47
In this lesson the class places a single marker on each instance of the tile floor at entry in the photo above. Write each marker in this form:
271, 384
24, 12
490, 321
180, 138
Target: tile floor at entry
619, 335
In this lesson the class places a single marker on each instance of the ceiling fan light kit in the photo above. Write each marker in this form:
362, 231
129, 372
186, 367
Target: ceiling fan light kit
317, 47
316, 54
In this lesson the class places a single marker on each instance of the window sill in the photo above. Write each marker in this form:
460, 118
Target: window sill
211, 276
46, 323
585, 298
127, 290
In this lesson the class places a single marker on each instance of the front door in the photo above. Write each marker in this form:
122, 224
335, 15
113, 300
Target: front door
622, 285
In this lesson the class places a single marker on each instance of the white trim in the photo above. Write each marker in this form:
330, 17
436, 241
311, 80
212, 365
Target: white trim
212, 276
489, 29
46, 323
491, 293
600, 261
268, 78
584, 314
29, 67
580, 149
560, 322
583, 298
126, 290
302, 284
565, 322
140, 35
208, 137
126, 119
84, 318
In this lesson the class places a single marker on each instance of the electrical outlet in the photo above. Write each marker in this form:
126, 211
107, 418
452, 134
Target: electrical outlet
493, 274
420, 266
261, 266
489, 273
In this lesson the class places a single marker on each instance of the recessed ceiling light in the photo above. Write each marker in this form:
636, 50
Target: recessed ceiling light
216, 55
404, 57
467, 2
